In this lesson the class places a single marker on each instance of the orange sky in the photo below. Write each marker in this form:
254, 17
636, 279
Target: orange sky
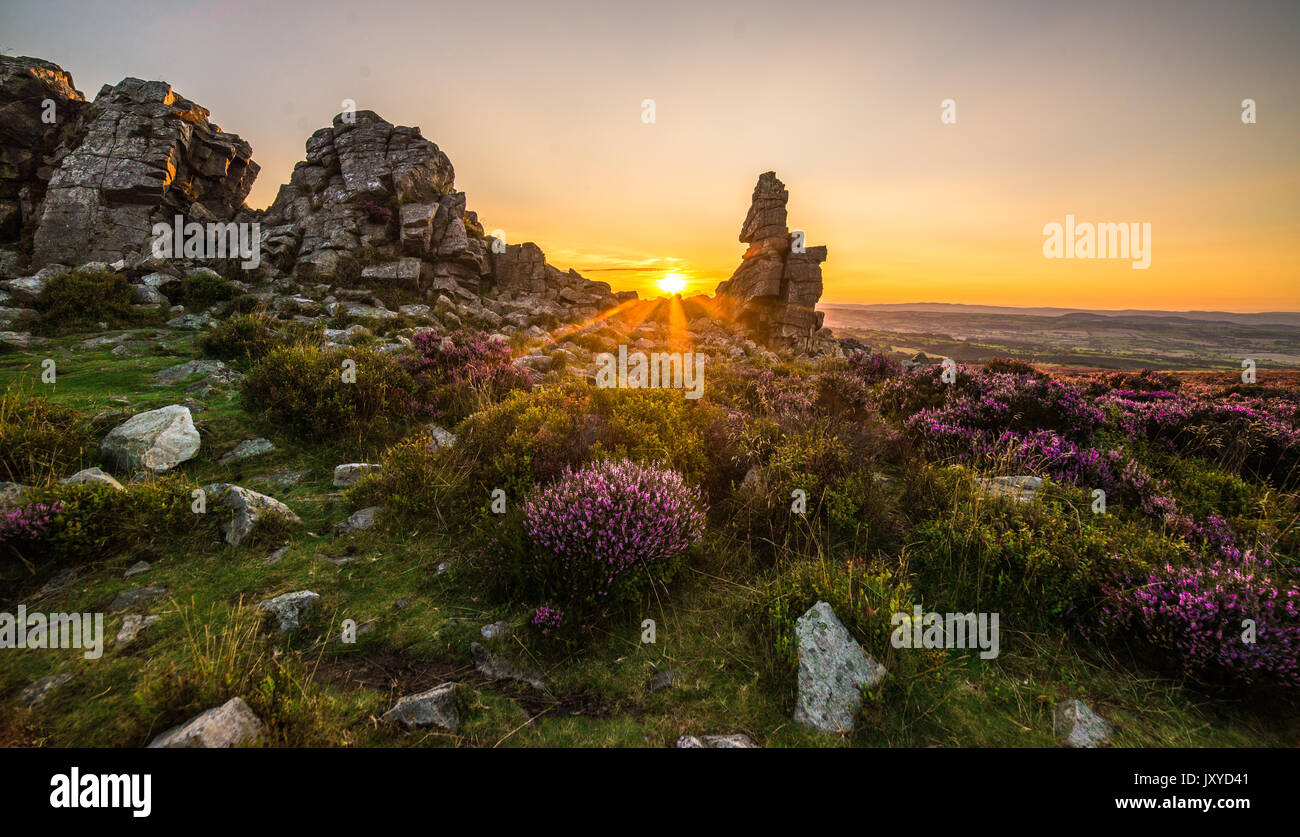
1108, 111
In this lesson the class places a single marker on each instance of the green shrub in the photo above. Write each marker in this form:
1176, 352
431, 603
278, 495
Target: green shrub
246, 337
40, 439
420, 484
79, 300
302, 389
204, 287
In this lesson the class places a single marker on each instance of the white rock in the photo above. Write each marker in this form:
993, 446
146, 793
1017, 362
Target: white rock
833, 671
289, 609
158, 440
352, 472
247, 509
1077, 726
227, 725
93, 476
436, 706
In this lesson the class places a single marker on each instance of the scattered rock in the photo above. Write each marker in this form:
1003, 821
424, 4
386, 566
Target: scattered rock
247, 449
1077, 726
664, 680
132, 625
228, 725
735, 741
34, 693
247, 508
833, 671
351, 473
274, 557
59, 581
440, 438
499, 668
1022, 488
359, 520
94, 476
496, 629
158, 440
137, 596
436, 706
136, 568
289, 609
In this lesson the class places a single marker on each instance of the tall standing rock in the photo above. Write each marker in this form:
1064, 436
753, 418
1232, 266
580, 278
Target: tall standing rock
140, 154
833, 671
775, 290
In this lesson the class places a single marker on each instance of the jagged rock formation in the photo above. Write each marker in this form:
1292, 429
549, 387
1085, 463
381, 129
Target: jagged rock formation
376, 202
86, 181
30, 131
775, 290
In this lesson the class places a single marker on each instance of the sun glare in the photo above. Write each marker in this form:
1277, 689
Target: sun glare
672, 282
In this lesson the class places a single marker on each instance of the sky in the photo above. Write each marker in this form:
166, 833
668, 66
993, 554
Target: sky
1110, 112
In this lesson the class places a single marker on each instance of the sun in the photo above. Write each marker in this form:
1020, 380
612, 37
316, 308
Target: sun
672, 282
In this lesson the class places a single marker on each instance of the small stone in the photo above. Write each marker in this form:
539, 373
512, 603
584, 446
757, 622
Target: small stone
136, 568
496, 629
1077, 726
499, 668
289, 609
247, 449
352, 472
436, 706
664, 680
35, 693
274, 557
59, 581
137, 596
359, 520
132, 625
93, 476
735, 741
228, 725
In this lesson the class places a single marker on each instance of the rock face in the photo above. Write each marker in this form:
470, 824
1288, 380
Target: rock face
376, 202
833, 671
30, 132
775, 290
86, 181
158, 440
228, 725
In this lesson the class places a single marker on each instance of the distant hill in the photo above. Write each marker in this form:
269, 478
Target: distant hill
1291, 318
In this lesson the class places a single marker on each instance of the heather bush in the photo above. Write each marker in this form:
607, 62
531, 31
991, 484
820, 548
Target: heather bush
464, 371
41, 439
1195, 618
303, 390
598, 538
25, 531
80, 300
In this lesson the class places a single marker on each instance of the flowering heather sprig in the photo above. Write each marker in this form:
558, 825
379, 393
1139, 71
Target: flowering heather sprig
464, 357
377, 213
874, 367
29, 524
1196, 615
547, 619
608, 528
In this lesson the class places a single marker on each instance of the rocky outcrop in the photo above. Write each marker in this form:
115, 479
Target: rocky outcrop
774, 292
39, 110
376, 203
86, 181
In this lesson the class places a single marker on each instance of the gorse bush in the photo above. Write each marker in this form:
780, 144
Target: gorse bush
79, 300
41, 439
307, 391
598, 538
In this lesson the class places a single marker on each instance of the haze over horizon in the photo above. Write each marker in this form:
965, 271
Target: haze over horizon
1101, 111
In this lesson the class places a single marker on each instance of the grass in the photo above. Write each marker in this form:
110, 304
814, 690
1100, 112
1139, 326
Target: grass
313, 690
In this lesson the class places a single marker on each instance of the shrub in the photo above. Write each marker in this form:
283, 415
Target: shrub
302, 388
25, 531
419, 483
598, 538
204, 286
1194, 616
464, 370
247, 337
79, 300
40, 439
